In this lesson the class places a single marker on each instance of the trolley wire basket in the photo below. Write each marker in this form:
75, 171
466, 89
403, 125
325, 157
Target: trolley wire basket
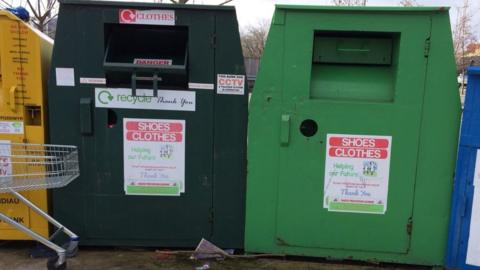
36, 166
26, 167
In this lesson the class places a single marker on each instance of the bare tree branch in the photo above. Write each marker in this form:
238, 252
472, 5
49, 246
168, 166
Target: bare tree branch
253, 39
43, 5
7, 4
462, 37
51, 4
44, 12
51, 18
225, 2
32, 8
173, 1
350, 2
409, 3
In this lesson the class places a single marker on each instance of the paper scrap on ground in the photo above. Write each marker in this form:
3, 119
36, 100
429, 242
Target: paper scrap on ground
207, 250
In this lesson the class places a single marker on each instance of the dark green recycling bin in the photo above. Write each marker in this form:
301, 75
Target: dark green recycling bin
154, 97
353, 131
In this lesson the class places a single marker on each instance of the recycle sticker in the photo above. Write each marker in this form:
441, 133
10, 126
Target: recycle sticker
170, 100
11, 127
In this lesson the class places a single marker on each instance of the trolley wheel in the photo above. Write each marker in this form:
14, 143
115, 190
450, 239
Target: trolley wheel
70, 252
51, 264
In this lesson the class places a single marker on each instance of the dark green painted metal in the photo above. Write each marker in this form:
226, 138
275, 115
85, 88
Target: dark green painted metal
414, 99
95, 206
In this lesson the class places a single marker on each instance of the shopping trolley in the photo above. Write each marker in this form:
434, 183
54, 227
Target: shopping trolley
39, 166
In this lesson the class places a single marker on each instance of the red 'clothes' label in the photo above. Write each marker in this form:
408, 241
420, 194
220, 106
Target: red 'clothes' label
158, 17
358, 147
154, 131
374, 153
154, 136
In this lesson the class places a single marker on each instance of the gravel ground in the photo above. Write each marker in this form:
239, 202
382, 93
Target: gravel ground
14, 256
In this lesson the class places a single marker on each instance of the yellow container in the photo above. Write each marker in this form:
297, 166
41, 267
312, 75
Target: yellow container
25, 55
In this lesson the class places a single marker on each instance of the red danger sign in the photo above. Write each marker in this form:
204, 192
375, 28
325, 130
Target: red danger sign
358, 147
152, 17
152, 62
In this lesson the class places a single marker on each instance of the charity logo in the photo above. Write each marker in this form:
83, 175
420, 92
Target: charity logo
104, 97
17, 124
370, 168
166, 151
127, 15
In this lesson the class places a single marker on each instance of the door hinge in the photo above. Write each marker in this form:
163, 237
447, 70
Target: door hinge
211, 216
427, 47
214, 41
409, 226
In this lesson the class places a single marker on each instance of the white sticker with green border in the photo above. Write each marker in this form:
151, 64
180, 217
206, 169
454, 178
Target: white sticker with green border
11, 127
357, 169
154, 156
169, 100
5, 161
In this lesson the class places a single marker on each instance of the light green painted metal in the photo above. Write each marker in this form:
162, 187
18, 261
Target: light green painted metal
411, 97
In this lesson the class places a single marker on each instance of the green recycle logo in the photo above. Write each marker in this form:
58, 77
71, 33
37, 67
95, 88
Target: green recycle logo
104, 97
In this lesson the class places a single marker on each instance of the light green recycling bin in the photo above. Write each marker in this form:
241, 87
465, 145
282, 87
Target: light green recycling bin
353, 134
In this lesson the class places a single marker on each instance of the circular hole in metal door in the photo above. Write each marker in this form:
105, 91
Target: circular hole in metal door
308, 127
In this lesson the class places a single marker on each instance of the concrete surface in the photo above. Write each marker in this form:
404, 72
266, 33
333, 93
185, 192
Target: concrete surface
14, 256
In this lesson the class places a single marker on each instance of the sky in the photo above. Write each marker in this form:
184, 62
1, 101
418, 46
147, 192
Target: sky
251, 11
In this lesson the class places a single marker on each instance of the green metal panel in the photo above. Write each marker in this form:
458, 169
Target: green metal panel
96, 206
352, 50
402, 99
230, 121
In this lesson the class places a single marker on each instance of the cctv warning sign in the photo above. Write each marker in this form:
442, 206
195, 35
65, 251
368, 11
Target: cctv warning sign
230, 84
357, 171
